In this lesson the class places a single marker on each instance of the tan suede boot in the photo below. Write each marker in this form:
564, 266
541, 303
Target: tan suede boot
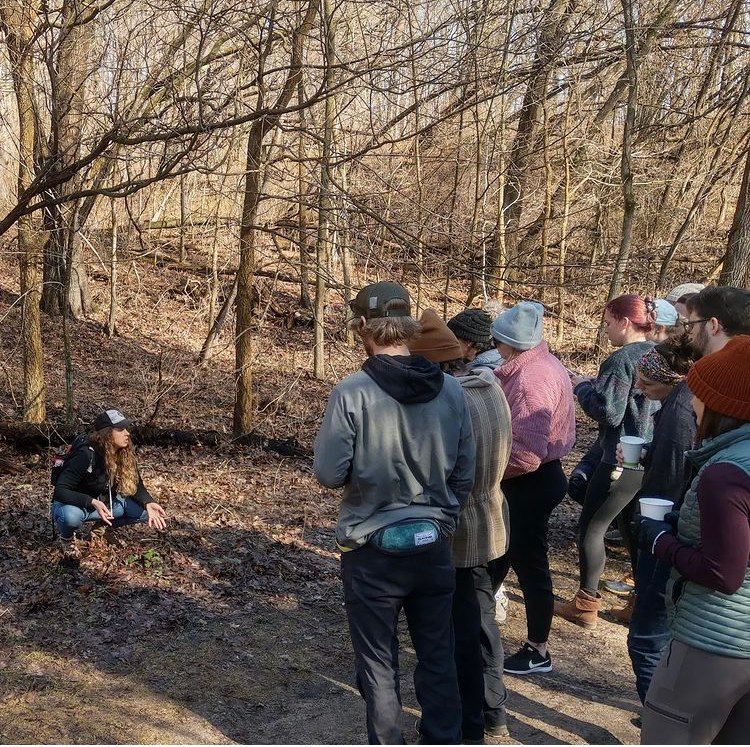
624, 614
582, 610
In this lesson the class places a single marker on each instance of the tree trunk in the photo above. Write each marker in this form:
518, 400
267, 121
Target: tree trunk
322, 247
302, 211
66, 288
452, 214
112, 319
183, 218
243, 403
736, 269
546, 157
346, 257
563, 229
553, 32
626, 163
19, 19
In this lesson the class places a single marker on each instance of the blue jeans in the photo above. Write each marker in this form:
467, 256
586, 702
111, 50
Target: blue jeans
649, 632
70, 518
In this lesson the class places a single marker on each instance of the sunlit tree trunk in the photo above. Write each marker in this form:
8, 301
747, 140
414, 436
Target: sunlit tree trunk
18, 18
66, 288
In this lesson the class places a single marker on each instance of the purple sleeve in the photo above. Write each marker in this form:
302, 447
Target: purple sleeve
720, 561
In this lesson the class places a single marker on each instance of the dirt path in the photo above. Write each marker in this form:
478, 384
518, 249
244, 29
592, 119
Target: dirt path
236, 637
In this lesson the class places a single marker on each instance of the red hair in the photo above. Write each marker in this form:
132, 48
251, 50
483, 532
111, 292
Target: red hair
640, 311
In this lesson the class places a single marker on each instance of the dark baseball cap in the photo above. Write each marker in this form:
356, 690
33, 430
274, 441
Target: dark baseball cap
372, 300
111, 419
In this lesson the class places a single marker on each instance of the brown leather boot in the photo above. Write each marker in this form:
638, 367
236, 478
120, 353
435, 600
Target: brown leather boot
582, 610
625, 614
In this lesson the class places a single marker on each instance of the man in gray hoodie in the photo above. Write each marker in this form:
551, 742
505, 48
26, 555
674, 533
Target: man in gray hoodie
397, 436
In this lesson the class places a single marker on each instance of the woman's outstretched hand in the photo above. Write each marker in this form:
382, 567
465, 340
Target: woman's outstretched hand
104, 513
157, 516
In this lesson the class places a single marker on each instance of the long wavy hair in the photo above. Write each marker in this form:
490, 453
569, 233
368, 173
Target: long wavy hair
119, 463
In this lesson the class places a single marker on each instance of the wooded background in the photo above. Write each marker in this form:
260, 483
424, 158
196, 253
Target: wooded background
495, 149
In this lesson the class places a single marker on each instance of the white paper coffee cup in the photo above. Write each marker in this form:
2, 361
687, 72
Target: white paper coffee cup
631, 450
655, 508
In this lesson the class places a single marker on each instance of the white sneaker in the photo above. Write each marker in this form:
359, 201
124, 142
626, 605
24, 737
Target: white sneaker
501, 604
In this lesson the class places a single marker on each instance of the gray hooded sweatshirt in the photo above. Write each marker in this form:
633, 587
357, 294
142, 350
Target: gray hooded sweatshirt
397, 436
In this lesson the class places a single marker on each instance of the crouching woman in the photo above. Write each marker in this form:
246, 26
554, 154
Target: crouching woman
100, 482
700, 692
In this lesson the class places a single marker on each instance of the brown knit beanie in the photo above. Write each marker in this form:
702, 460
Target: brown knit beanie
722, 380
436, 342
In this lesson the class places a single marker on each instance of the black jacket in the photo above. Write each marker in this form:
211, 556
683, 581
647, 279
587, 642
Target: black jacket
674, 434
76, 486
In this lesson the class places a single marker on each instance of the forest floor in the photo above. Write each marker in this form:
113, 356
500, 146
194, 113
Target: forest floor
228, 628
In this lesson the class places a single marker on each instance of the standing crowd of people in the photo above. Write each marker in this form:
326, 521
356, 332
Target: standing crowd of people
449, 446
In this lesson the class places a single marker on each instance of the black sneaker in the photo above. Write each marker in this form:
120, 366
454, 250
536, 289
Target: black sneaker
527, 660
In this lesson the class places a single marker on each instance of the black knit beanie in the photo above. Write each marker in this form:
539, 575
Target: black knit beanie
472, 325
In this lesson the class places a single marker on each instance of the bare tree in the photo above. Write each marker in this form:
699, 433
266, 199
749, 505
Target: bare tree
18, 21
736, 269
325, 202
243, 411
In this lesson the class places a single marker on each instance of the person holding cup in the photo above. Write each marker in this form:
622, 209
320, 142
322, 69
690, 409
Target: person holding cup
700, 692
661, 377
614, 402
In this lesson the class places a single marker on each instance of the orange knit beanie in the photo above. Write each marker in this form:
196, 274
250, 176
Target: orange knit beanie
722, 380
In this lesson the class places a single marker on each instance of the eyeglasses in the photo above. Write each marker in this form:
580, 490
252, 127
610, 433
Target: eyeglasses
689, 324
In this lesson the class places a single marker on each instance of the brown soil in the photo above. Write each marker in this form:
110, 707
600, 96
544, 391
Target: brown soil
229, 627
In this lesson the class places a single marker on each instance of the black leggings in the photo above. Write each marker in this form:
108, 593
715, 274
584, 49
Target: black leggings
605, 498
531, 500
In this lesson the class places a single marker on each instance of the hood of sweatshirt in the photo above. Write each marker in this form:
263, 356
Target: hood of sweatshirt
409, 379
478, 378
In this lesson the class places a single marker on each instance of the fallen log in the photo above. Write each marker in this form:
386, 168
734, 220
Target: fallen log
32, 437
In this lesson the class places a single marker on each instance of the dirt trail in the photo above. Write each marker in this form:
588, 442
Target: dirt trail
153, 662
229, 628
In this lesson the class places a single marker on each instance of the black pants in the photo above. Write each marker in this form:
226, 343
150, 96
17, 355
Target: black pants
479, 652
605, 498
376, 587
531, 500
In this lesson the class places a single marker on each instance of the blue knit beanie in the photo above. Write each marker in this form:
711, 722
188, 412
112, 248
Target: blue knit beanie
520, 327
666, 314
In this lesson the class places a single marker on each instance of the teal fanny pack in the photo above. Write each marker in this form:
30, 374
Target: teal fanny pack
407, 537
